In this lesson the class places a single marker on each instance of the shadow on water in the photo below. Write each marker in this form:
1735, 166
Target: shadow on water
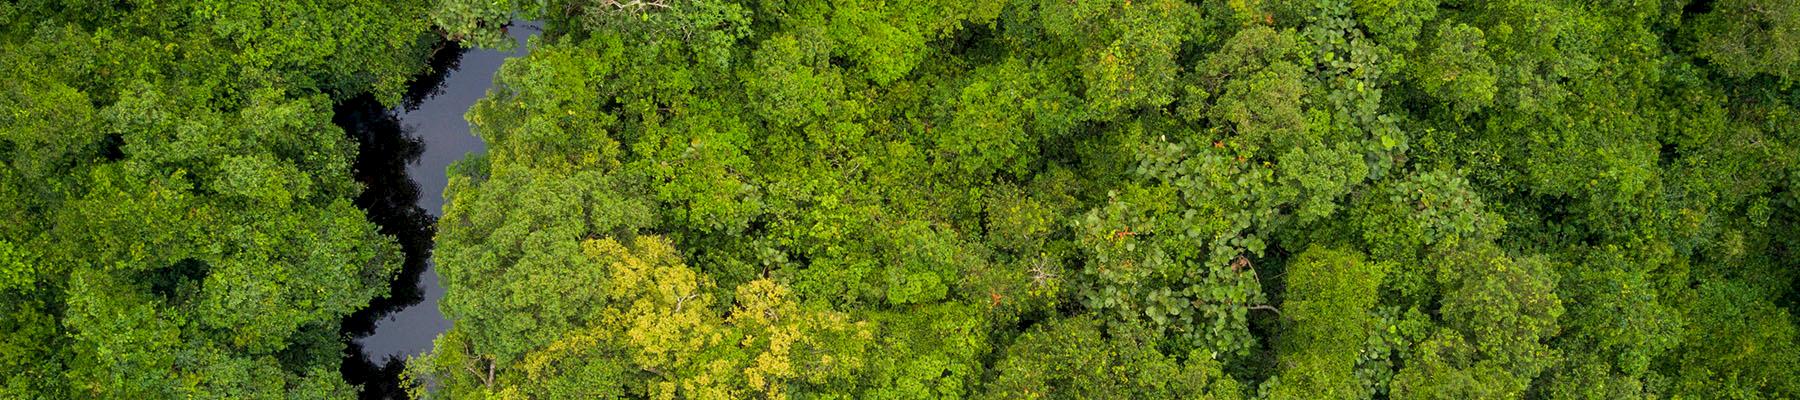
405, 152
391, 198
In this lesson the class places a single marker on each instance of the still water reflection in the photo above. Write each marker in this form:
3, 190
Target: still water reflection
404, 154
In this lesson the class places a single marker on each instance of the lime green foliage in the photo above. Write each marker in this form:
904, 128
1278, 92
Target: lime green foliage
1331, 296
178, 219
1457, 71
650, 326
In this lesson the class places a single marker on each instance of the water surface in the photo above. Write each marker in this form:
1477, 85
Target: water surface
404, 154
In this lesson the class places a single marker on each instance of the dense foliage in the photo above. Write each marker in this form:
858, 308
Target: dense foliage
904, 199
1127, 199
177, 218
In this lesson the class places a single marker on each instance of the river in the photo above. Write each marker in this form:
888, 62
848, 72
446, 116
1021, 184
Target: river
404, 153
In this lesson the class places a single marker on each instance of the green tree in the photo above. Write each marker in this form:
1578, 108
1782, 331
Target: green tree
1146, 198
1331, 296
179, 220
1076, 358
1498, 312
1749, 37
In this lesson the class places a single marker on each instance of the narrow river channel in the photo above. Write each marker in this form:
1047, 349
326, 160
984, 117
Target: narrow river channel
404, 154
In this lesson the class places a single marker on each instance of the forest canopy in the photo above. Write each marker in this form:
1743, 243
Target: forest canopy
911, 199
1127, 199
175, 203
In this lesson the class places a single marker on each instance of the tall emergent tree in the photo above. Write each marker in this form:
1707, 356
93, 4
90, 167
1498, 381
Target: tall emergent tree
912, 199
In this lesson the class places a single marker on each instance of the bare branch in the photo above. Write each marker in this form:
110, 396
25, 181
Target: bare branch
637, 4
1266, 307
681, 301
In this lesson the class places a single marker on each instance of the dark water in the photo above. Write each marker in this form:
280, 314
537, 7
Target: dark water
403, 155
